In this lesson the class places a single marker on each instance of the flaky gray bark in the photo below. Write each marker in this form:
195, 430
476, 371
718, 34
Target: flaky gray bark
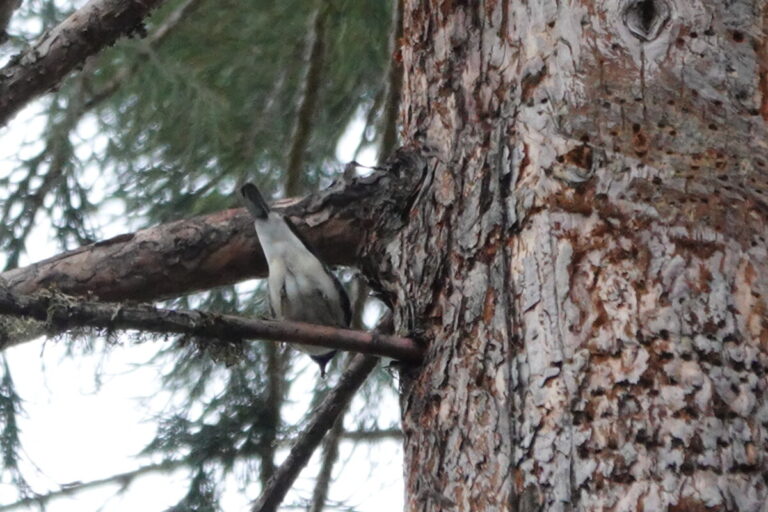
587, 255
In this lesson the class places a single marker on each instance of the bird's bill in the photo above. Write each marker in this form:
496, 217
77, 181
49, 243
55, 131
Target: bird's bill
254, 201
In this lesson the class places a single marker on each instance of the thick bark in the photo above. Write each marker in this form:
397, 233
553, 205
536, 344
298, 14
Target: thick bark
41, 67
587, 255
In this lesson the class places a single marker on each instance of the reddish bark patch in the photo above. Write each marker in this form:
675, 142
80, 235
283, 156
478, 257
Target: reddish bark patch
530, 82
571, 202
701, 248
526, 161
580, 156
691, 505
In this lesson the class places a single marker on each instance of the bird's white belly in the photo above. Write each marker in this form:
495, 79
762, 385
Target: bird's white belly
306, 304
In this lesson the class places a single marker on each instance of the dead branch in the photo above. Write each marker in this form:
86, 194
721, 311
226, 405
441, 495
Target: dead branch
373, 436
322, 420
63, 312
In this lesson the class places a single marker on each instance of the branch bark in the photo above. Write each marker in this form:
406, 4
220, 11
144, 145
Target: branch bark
45, 64
207, 251
65, 312
222, 248
322, 420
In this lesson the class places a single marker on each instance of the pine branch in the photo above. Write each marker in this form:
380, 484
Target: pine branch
57, 149
62, 312
222, 248
322, 420
207, 251
154, 40
308, 102
373, 435
46, 63
57, 152
121, 479
127, 478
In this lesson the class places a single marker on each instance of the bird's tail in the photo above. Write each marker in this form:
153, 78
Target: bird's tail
253, 201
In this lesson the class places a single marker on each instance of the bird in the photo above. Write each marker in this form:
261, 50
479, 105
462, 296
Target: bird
301, 287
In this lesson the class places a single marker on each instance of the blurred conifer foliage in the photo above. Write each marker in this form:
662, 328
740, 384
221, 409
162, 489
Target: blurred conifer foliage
164, 127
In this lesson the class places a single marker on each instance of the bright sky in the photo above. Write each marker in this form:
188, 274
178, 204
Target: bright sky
77, 430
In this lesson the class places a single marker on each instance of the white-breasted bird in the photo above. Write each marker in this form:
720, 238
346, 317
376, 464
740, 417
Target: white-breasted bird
301, 287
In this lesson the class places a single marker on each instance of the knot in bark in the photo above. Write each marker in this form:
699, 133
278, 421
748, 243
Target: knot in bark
645, 19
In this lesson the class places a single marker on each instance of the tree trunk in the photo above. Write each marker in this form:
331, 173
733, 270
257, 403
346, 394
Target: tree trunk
587, 255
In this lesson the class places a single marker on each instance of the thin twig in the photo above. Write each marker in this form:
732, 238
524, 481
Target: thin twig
127, 478
122, 479
322, 420
272, 417
308, 102
373, 435
62, 312
330, 456
394, 84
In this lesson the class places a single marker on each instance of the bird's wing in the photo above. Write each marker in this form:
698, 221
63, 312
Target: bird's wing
346, 307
